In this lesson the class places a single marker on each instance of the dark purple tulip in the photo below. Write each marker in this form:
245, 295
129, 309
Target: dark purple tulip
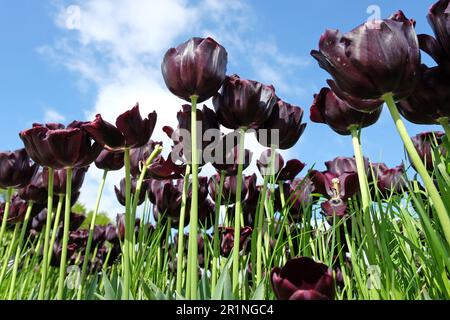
282, 172
206, 116
338, 114
163, 169
439, 48
120, 222
196, 67
79, 237
16, 169
60, 179
340, 165
120, 192
430, 101
298, 197
374, 59
425, 143
303, 279
166, 195
36, 190
38, 222
244, 103
139, 156
286, 122
227, 239
335, 207
17, 210
335, 186
110, 161
389, 179
57, 147
230, 188
131, 131
230, 161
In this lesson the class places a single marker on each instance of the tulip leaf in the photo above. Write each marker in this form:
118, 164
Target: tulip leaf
259, 293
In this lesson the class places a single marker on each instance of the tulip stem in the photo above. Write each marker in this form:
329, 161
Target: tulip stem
420, 167
91, 234
259, 230
47, 234
237, 214
216, 239
193, 245
138, 191
365, 193
128, 228
19, 250
9, 192
55, 226
67, 209
180, 249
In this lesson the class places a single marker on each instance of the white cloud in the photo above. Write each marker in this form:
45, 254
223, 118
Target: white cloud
118, 46
51, 115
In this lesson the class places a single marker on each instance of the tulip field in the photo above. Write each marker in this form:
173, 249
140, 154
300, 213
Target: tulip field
359, 230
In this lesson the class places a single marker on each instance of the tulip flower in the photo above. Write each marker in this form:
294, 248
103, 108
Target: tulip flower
195, 68
380, 60
355, 61
60, 179
120, 192
225, 154
335, 186
438, 48
138, 157
17, 211
424, 143
194, 71
389, 180
430, 102
16, 169
303, 279
227, 240
282, 172
110, 161
340, 165
36, 190
57, 147
244, 103
285, 122
339, 115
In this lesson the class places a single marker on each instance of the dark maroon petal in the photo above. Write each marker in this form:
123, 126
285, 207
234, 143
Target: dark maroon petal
196, 67
308, 295
244, 103
110, 161
105, 133
334, 207
136, 131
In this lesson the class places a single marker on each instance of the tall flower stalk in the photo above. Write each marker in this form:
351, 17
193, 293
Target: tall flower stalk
193, 245
420, 167
9, 192
45, 264
67, 210
238, 213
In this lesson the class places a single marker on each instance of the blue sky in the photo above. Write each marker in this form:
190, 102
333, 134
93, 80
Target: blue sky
51, 72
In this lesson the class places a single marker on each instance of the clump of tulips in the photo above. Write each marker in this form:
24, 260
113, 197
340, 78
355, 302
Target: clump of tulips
180, 233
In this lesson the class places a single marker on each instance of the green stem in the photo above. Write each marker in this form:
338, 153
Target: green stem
55, 226
10, 248
365, 194
420, 167
216, 239
138, 191
445, 124
259, 230
237, 214
67, 209
9, 192
128, 229
285, 219
193, 245
180, 249
19, 250
47, 235
91, 234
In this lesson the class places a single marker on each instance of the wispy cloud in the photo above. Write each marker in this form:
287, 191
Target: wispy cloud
51, 115
119, 45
